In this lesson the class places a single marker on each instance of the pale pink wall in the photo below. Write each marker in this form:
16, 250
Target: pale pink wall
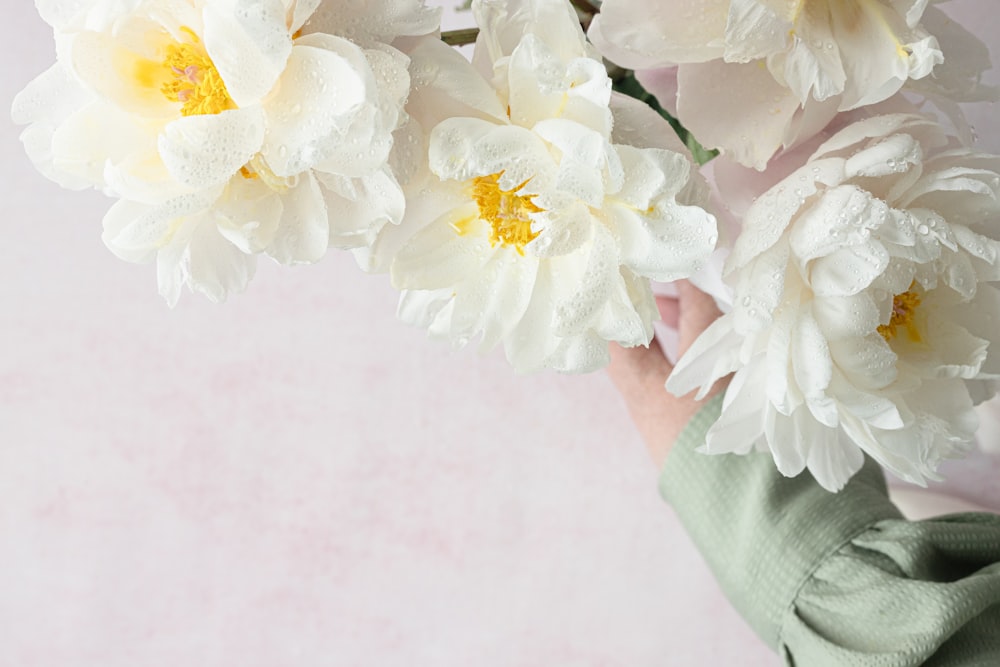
294, 478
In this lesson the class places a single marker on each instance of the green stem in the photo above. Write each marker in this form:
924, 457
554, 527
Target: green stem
460, 37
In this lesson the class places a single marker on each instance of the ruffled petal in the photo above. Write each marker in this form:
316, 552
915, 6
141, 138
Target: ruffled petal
660, 238
303, 233
46, 103
204, 151
880, 52
359, 207
323, 88
202, 259
249, 43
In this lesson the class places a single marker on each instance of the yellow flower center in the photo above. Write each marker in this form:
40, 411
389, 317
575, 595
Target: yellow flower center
904, 307
509, 214
194, 81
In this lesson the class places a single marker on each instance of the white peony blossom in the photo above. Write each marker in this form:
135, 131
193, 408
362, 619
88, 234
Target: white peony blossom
541, 223
172, 103
863, 317
756, 75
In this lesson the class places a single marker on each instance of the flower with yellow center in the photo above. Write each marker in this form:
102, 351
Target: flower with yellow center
863, 318
539, 227
228, 128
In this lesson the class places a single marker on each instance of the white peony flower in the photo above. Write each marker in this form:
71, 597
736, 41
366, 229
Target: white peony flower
165, 103
863, 318
541, 222
756, 75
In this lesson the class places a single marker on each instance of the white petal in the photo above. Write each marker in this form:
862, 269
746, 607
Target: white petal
249, 214
439, 256
848, 270
249, 43
811, 68
303, 234
782, 391
872, 403
360, 206
117, 222
659, 38
201, 258
813, 368
637, 124
113, 150
742, 421
714, 354
421, 308
878, 55
591, 288
754, 30
494, 300
660, 238
207, 150
503, 26
532, 341
588, 163
944, 349
301, 11
446, 85
786, 438
583, 353
749, 132
374, 20
133, 230
464, 148
541, 86
564, 225
847, 140
124, 77
833, 458
46, 103
322, 90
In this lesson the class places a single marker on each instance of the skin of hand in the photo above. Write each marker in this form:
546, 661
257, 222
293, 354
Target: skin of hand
640, 372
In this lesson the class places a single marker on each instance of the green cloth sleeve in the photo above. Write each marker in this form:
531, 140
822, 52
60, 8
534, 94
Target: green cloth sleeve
838, 578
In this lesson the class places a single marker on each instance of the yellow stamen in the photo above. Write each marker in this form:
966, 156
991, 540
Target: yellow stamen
904, 307
195, 83
509, 214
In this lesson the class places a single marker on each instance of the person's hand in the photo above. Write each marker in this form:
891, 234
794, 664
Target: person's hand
639, 372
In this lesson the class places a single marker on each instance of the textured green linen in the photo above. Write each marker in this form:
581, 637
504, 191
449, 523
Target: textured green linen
838, 579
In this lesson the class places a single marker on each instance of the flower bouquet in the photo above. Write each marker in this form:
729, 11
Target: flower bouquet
527, 199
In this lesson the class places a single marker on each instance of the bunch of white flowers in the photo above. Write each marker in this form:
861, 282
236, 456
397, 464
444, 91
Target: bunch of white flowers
518, 199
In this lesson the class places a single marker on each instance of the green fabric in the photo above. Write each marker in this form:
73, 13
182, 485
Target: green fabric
838, 579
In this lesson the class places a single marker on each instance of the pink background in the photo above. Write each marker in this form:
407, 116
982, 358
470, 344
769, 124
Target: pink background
295, 478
